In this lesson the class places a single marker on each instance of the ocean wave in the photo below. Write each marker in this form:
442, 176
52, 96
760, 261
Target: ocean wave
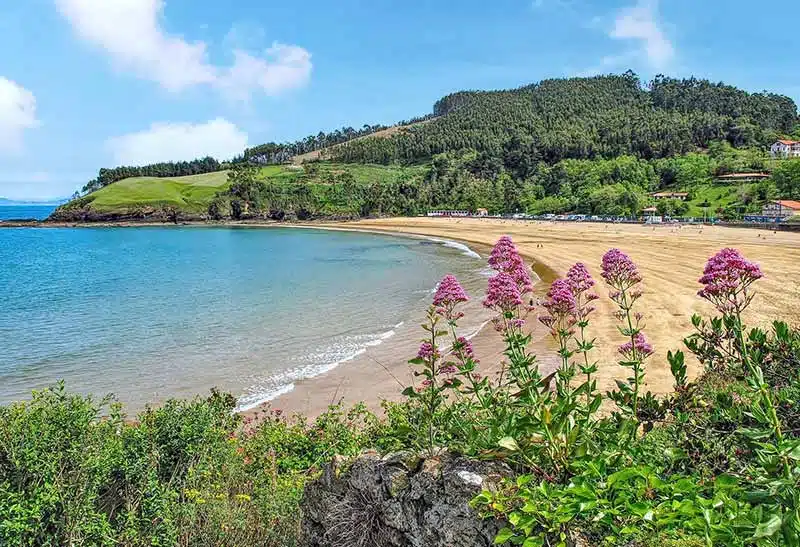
320, 363
465, 250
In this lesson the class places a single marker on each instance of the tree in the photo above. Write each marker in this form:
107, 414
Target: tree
787, 179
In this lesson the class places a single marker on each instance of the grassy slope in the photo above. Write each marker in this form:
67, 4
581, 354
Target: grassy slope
718, 196
192, 194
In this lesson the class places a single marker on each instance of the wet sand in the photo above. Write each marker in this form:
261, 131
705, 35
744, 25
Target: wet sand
670, 257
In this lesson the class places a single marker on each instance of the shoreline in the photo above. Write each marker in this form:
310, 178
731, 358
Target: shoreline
352, 381
671, 258
365, 379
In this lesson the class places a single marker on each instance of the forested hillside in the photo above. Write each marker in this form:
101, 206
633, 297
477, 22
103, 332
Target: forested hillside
586, 118
594, 145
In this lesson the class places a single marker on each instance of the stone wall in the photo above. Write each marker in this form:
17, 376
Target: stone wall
400, 500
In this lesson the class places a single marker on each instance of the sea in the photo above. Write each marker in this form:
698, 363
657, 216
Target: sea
150, 313
25, 212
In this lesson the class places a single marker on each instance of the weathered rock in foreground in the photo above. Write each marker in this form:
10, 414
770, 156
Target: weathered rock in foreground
400, 500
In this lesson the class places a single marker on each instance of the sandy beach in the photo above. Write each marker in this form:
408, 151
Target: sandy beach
670, 257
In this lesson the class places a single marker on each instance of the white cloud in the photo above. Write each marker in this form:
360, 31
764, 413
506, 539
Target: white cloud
218, 138
131, 32
284, 67
640, 23
17, 113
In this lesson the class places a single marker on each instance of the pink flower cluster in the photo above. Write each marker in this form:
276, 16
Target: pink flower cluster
463, 349
428, 352
448, 295
505, 258
560, 298
641, 346
579, 279
503, 293
508, 285
619, 271
561, 306
581, 282
725, 280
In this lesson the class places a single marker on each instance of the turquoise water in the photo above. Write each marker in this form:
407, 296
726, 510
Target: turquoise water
150, 313
25, 212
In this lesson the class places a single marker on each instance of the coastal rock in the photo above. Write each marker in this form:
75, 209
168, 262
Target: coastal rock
400, 500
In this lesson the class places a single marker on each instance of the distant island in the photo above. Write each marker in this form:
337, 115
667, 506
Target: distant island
4, 202
606, 145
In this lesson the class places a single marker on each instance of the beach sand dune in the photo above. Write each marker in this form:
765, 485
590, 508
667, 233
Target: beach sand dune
671, 259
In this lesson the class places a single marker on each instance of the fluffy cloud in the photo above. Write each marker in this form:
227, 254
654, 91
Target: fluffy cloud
17, 113
284, 67
640, 23
218, 138
130, 31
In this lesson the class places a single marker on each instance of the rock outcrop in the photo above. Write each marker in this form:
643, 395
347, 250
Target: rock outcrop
400, 500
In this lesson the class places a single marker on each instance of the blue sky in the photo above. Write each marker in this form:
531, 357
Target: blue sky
92, 83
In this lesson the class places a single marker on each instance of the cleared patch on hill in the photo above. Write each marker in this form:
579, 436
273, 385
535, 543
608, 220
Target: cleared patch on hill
382, 134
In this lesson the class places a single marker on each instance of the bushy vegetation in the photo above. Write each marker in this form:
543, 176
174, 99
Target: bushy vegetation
715, 462
75, 471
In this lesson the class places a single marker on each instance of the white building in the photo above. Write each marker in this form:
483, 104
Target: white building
783, 208
785, 149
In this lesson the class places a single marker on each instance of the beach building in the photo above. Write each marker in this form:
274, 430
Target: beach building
481, 212
651, 215
683, 196
448, 213
785, 149
782, 208
742, 177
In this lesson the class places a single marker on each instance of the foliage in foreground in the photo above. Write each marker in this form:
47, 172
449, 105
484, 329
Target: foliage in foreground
73, 471
717, 462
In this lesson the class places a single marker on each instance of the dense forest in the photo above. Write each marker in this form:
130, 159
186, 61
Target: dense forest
586, 118
593, 145
470, 180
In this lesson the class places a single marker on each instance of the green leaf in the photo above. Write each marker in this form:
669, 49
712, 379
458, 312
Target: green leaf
503, 535
509, 444
767, 529
534, 542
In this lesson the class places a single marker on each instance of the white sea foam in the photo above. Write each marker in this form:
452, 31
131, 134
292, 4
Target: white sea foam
465, 250
318, 363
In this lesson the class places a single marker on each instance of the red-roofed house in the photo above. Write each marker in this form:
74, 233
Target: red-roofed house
782, 208
785, 149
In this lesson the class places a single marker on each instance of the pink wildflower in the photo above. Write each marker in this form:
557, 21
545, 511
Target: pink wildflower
503, 293
640, 344
448, 369
506, 259
619, 271
428, 352
463, 348
560, 299
579, 279
448, 295
725, 280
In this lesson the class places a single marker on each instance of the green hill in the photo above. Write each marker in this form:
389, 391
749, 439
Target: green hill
327, 190
594, 145
191, 193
